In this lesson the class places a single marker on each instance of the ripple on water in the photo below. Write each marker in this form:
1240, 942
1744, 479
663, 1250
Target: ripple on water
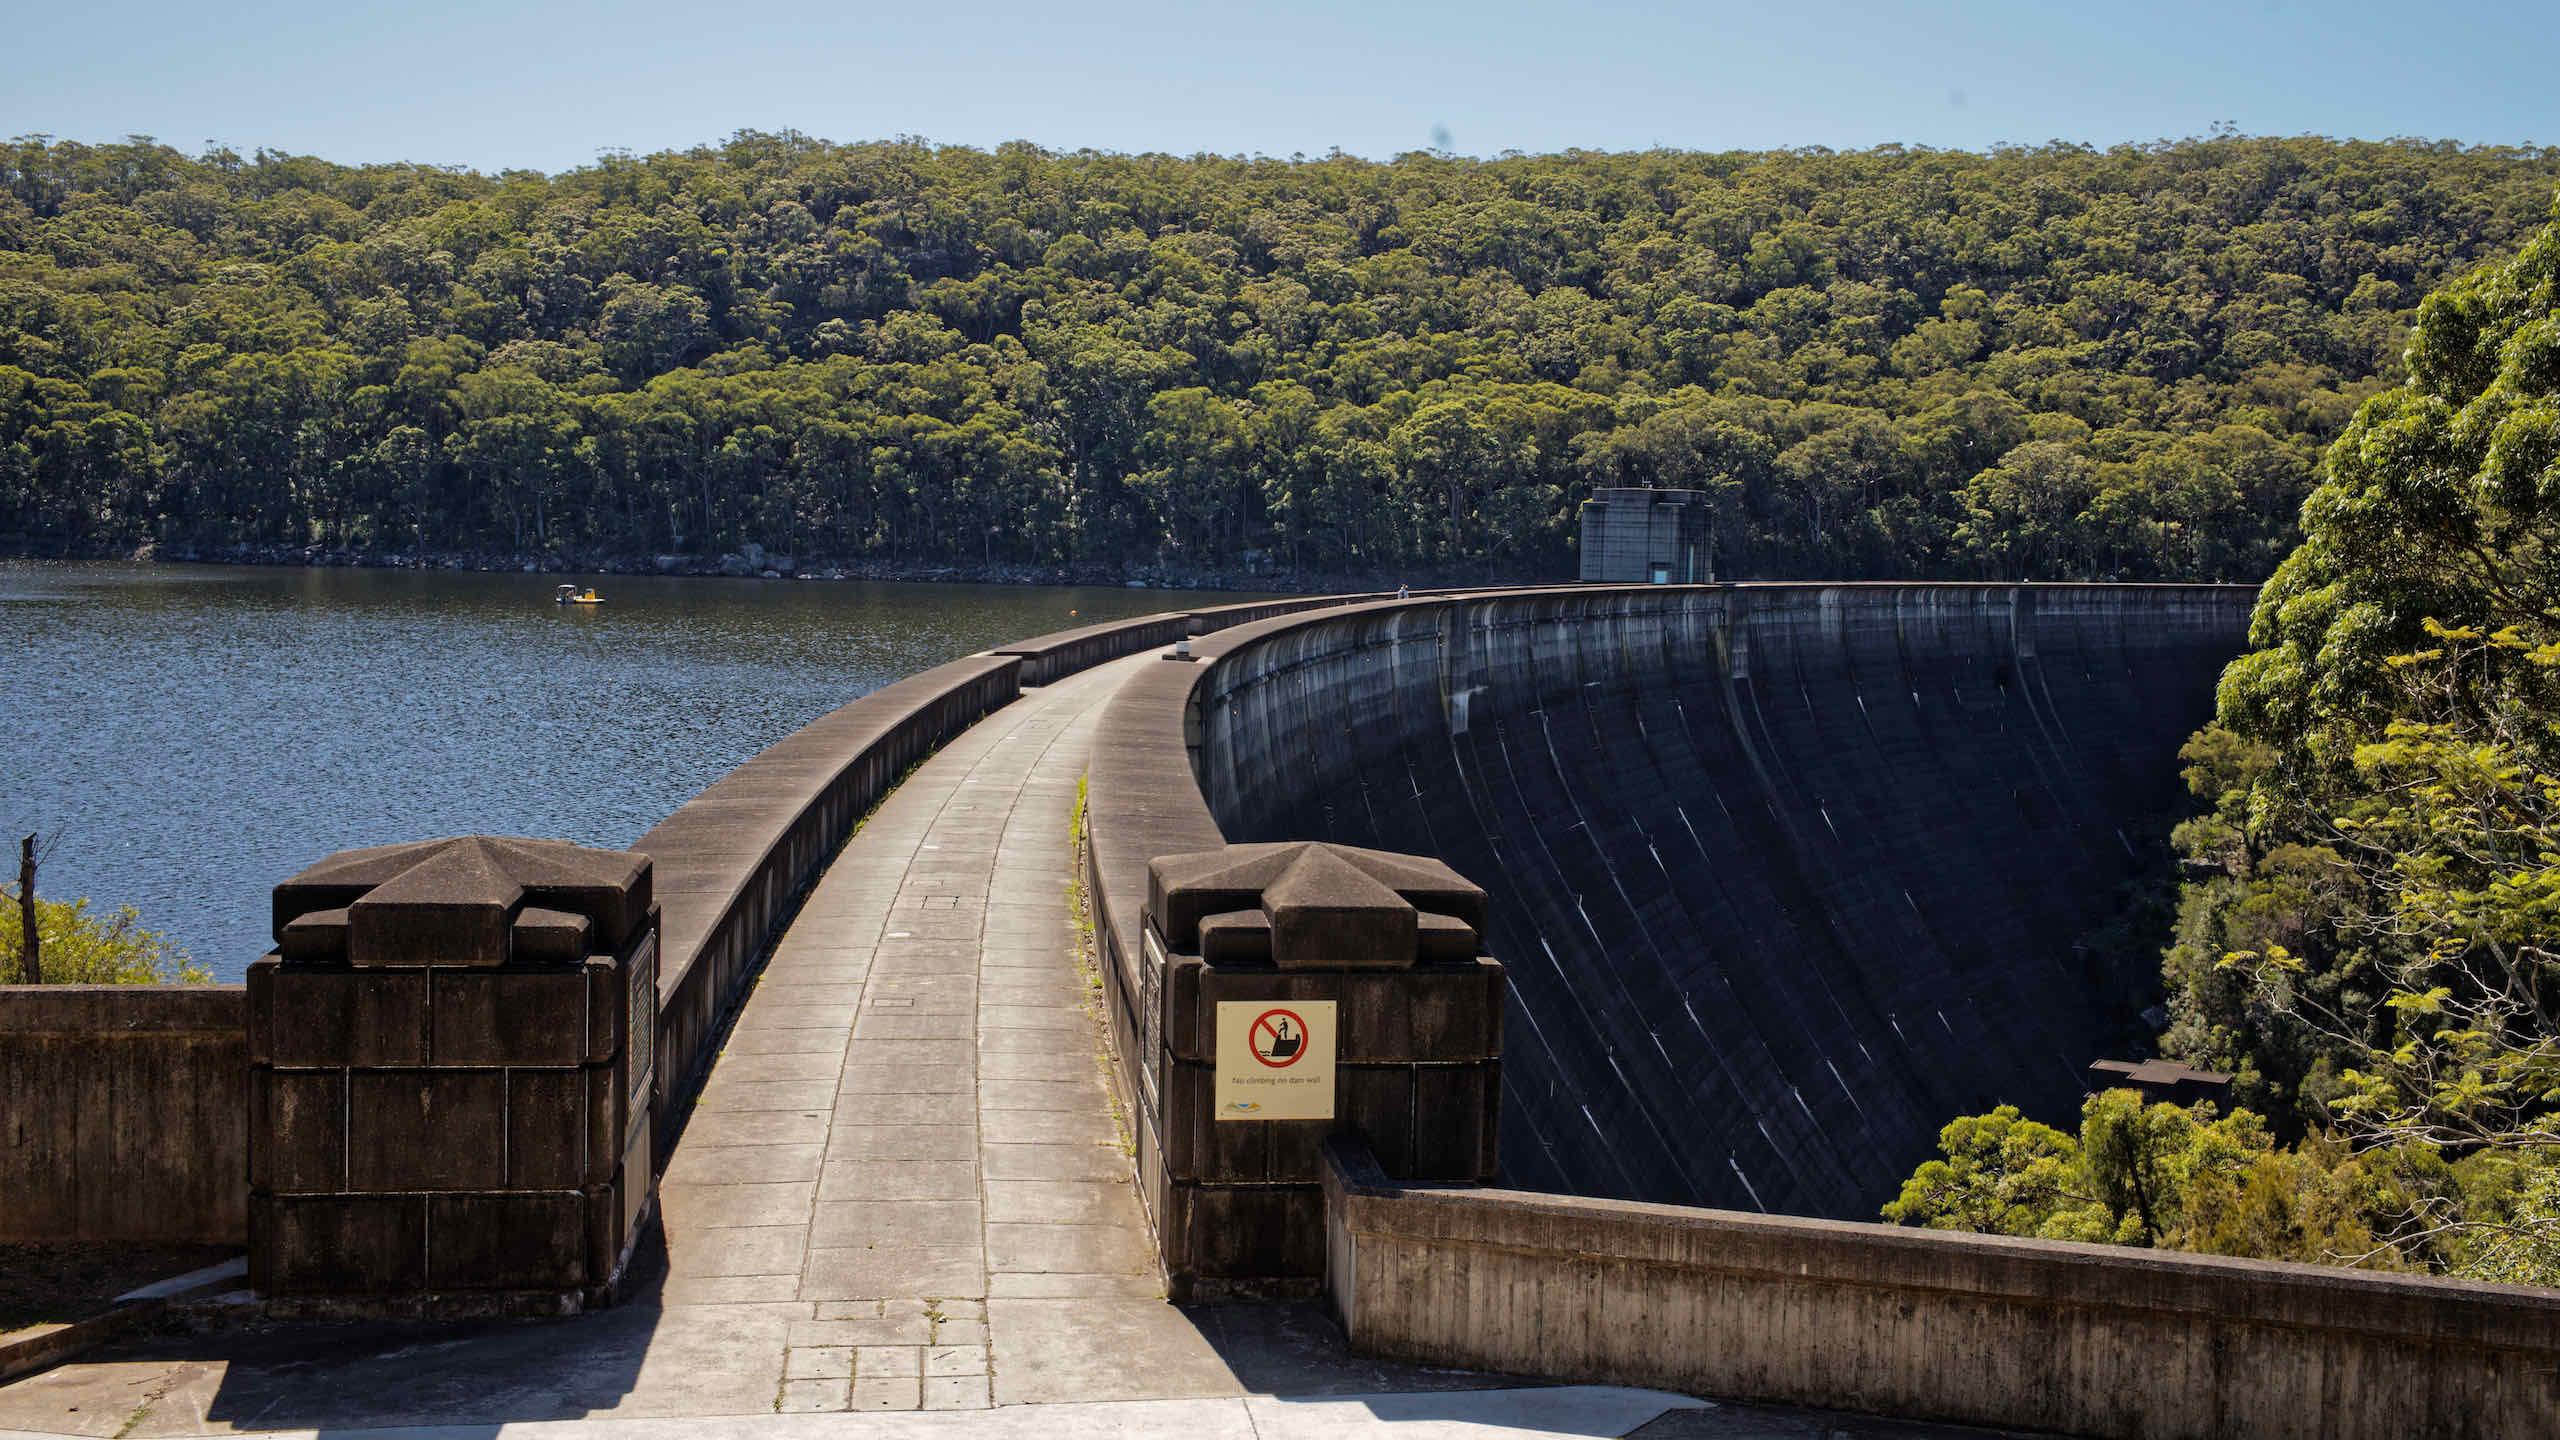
197, 733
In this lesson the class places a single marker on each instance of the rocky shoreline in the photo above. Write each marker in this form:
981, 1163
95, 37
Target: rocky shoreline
755, 562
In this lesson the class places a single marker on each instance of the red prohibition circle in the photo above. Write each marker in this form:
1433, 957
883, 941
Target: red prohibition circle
1262, 1022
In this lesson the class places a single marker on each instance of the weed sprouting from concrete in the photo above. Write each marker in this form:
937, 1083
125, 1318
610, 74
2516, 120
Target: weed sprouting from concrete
1089, 967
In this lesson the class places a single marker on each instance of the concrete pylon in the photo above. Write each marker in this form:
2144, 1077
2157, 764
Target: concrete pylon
1303, 990
450, 1068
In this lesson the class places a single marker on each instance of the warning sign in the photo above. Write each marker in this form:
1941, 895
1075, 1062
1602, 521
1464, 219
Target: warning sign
1275, 1062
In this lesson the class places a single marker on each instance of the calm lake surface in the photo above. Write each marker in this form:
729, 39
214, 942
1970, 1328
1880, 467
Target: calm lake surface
197, 733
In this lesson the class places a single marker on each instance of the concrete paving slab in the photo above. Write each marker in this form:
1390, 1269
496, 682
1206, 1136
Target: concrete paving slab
1106, 1249
755, 1067
880, 1271
743, 1164
1067, 1017
1077, 1095
955, 1053
856, 1326
774, 1127
728, 1289
1041, 1285
698, 1206
1060, 1202
814, 1396
1091, 1125
745, 1250
899, 1107
784, 1042
918, 1222
786, 1017
902, 1142
1049, 1351
907, 1079
1055, 1162
902, 1392
1058, 992
1001, 1040
953, 1392
722, 1093
878, 1023
792, 990
819, 1362
925, 961
857, 1180
1038, 1065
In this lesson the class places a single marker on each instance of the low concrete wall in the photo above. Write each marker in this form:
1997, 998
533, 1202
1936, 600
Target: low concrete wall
2086, 1339
1047, 658
1140, 802
126, 1113
733, 862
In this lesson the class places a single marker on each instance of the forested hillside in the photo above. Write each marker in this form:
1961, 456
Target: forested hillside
2052, 363
2369, 935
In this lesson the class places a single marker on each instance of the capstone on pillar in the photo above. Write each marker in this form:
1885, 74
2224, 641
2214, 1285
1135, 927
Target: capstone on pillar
1383, 944
450, 1068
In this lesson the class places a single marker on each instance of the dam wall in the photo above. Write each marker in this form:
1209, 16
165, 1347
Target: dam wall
127, 1114
1786, 876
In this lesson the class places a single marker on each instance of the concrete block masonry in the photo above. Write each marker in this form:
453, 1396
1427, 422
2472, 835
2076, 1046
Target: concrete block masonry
450, 1075
1380, 950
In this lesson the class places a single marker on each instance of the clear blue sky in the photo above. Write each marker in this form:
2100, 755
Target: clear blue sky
549, 83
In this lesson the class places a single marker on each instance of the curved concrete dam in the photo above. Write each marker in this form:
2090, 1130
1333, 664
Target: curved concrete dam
1785, 876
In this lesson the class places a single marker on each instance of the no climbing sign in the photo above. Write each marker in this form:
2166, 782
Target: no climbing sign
1275, 1061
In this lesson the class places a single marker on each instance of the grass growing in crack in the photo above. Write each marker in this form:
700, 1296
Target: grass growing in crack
1080, 908
1089, 965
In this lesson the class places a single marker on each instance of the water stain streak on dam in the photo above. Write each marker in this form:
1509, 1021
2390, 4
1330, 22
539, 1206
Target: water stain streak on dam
1786, 876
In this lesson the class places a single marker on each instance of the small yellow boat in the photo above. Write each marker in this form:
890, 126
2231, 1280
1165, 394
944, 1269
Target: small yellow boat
572, 595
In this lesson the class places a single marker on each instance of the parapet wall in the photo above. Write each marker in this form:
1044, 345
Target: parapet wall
126, 1113
732, 863
1786, 876
2026, 1334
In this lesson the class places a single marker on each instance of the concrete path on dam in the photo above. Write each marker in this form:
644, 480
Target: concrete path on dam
903, 1189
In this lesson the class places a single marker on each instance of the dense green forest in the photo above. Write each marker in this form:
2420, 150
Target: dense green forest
2369, 938
2051, 362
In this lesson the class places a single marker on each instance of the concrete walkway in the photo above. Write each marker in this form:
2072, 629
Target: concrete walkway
909, 1132
903, 1189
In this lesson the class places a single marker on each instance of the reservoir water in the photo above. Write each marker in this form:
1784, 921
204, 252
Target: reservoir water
187, 736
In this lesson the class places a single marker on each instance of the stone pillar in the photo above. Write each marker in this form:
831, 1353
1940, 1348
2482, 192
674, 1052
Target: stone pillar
1390, 943
450, 1070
